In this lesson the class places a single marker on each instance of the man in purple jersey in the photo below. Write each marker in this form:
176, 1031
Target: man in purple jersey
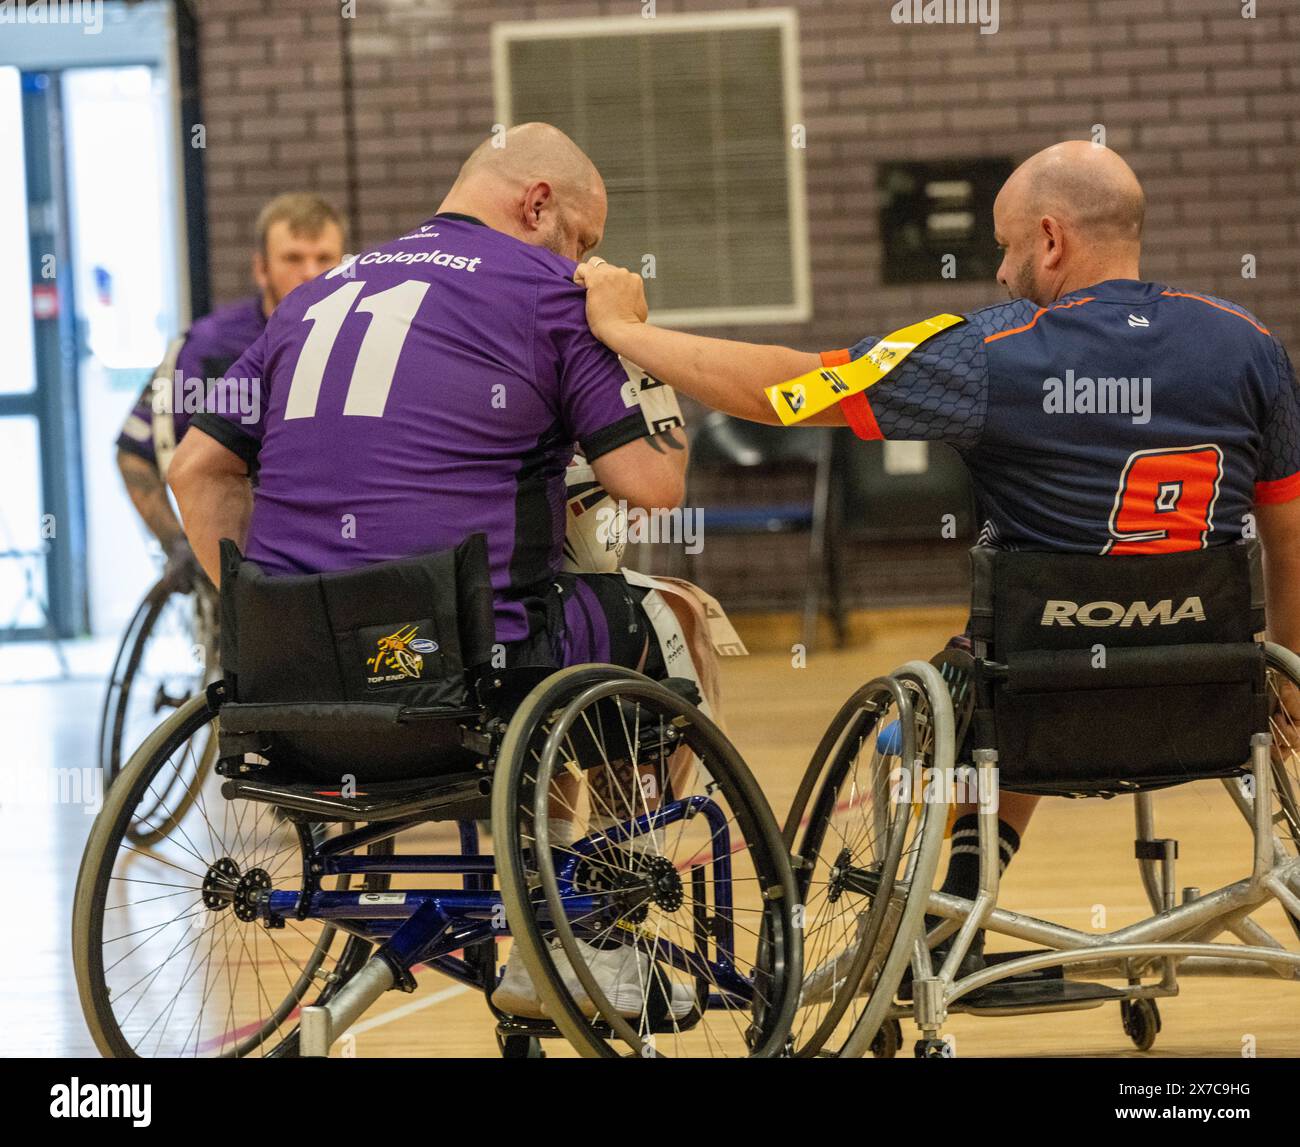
299, 235
435, 387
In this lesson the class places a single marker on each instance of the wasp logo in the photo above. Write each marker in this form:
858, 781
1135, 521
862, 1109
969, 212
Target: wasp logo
400, 653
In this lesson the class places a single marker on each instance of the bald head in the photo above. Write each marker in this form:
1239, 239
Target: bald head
1069, 216
1090, 186
535, 183
533, 151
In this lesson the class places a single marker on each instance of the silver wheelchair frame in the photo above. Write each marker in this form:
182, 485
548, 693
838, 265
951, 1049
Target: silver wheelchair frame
1177, 940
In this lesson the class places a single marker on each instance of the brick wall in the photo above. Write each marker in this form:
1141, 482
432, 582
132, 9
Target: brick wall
1203, 103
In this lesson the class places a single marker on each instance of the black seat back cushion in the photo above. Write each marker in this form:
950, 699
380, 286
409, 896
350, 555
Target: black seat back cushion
1121, 672
400, 633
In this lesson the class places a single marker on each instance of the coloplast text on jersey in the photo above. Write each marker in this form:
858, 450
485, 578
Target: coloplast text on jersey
439, 258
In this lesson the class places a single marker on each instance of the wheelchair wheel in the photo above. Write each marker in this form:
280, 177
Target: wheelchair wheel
888, 1041
1284, 724
109, 746
668, 927
1141, 1022
848, 830
170, 958
156, 670
520, 1047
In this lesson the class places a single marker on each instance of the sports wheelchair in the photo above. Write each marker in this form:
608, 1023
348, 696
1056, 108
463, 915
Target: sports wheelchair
361, 710
1087, 676
167, 654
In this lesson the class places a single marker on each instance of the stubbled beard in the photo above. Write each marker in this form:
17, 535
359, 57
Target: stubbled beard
555, 244
1024, 285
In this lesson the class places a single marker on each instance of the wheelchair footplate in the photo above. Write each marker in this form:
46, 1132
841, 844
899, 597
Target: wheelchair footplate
1042, 990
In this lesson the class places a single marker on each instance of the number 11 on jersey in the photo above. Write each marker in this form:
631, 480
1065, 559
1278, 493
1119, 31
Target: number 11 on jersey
391, 313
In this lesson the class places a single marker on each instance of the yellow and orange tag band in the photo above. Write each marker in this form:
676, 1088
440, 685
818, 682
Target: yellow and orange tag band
811, 393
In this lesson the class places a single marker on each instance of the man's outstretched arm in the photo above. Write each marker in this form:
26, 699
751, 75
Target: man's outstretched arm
725, 375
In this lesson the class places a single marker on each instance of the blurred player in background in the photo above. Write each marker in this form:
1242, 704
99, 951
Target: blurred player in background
298, 235
1196, 435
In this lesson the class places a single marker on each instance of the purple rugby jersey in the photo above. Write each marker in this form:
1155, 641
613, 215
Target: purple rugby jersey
209, 348
431, 388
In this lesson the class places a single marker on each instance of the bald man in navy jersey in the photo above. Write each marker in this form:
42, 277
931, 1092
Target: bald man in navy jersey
1097, 412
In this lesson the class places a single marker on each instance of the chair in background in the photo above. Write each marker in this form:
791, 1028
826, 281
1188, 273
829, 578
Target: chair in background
771, 455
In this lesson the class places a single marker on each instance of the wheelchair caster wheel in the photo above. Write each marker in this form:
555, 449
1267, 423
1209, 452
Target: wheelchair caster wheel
888, 1040
932, 1049
520, 1047
1141, 1020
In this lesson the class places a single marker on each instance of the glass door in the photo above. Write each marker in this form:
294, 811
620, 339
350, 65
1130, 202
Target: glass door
35, 597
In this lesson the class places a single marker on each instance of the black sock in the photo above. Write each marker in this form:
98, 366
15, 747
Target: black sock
963, 877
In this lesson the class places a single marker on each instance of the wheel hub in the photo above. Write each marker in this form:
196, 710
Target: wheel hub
665, 882
646, 880
248, 893
839, 872
220, 883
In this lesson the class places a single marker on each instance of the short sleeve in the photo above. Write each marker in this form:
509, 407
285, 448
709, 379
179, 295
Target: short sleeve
938, 393
597, 397
234, 411
1279, 463
156, 400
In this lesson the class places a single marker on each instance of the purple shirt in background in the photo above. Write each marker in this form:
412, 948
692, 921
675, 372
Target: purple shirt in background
210, 347
432, 388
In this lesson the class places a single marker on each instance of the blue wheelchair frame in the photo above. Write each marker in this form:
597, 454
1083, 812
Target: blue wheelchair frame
425, 926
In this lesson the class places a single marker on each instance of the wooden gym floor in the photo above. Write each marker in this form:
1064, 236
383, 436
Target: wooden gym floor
1076, 859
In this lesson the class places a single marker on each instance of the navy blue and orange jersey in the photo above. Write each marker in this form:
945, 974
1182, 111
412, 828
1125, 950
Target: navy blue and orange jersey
1125, 418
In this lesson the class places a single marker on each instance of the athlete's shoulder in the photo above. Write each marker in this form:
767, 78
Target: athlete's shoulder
554, 272
514, 254
557, 294
228, 328
999, 318
1204, 307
